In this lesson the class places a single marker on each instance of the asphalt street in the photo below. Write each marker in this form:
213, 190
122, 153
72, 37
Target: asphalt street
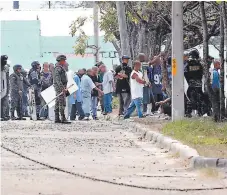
93, 158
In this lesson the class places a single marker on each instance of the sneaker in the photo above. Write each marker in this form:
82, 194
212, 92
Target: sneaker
95, 118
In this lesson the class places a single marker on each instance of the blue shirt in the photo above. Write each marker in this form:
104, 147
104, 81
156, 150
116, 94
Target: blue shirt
86, 86
78, 92
157, 78
216, 79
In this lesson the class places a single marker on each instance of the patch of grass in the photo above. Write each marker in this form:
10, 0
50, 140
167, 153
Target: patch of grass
209, 138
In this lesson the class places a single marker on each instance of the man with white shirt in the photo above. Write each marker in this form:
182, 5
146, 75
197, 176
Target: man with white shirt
136, 84
108, 88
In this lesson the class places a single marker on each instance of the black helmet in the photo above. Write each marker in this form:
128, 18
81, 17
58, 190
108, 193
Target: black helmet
125, 57
4, 59
194, 53
35, 64
17, 66
61, 57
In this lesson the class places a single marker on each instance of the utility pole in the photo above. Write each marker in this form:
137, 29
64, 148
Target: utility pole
96, 30
125, 48
16, 5
177, 61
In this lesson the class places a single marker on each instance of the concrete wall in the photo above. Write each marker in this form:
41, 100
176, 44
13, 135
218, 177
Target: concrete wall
23, 43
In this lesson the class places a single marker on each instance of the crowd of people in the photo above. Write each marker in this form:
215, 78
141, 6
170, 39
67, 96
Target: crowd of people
139, 88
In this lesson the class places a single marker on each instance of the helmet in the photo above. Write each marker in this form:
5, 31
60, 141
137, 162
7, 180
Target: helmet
17, 66
4, 59
35, 64
125, 57
61, 57
194, 53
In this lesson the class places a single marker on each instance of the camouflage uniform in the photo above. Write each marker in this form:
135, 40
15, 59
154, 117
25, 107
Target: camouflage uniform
16, 89
5, 99
60, 83
35, 81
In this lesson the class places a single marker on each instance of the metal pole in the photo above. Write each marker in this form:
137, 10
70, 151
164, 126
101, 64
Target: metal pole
16, 5
96, 30
177, 61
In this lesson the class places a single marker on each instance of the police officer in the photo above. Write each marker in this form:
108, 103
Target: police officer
4, 88
35, 80
122, 74
25, 95
193, 74
60, 84
16, 92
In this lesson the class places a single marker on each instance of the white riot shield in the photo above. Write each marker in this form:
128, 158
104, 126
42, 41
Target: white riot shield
49, 94
3, 84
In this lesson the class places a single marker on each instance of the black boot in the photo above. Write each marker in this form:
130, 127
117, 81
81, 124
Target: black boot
57, 118
64, 120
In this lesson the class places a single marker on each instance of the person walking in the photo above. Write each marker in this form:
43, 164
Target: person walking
60, 84
122, 74
136, 83
87, 86
108, 88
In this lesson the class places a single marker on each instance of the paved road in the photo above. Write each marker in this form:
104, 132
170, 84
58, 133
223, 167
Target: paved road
100, 150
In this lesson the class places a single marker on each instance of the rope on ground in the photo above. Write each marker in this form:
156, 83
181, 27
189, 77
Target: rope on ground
108, 181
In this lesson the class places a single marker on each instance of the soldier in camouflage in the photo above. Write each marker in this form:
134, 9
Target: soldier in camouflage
35, 80
60, 84
193, 74
4, 84
16, 92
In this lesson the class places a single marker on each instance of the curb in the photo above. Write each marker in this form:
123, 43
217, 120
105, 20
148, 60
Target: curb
177, 148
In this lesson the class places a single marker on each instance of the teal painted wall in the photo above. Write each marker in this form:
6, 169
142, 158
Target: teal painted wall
23, 43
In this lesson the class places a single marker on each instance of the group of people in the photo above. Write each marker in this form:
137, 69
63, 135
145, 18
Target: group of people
139, 88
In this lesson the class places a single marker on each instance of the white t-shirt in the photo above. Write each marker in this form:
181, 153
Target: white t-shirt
107, 84
136, 88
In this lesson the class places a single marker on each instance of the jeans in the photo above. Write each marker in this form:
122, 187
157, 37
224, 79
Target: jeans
124, 100
108, 102
135, 104
86, 105
77, 107
148, 97
94, 103
44, 112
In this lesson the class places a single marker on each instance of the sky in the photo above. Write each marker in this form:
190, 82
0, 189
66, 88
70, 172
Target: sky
54, 22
